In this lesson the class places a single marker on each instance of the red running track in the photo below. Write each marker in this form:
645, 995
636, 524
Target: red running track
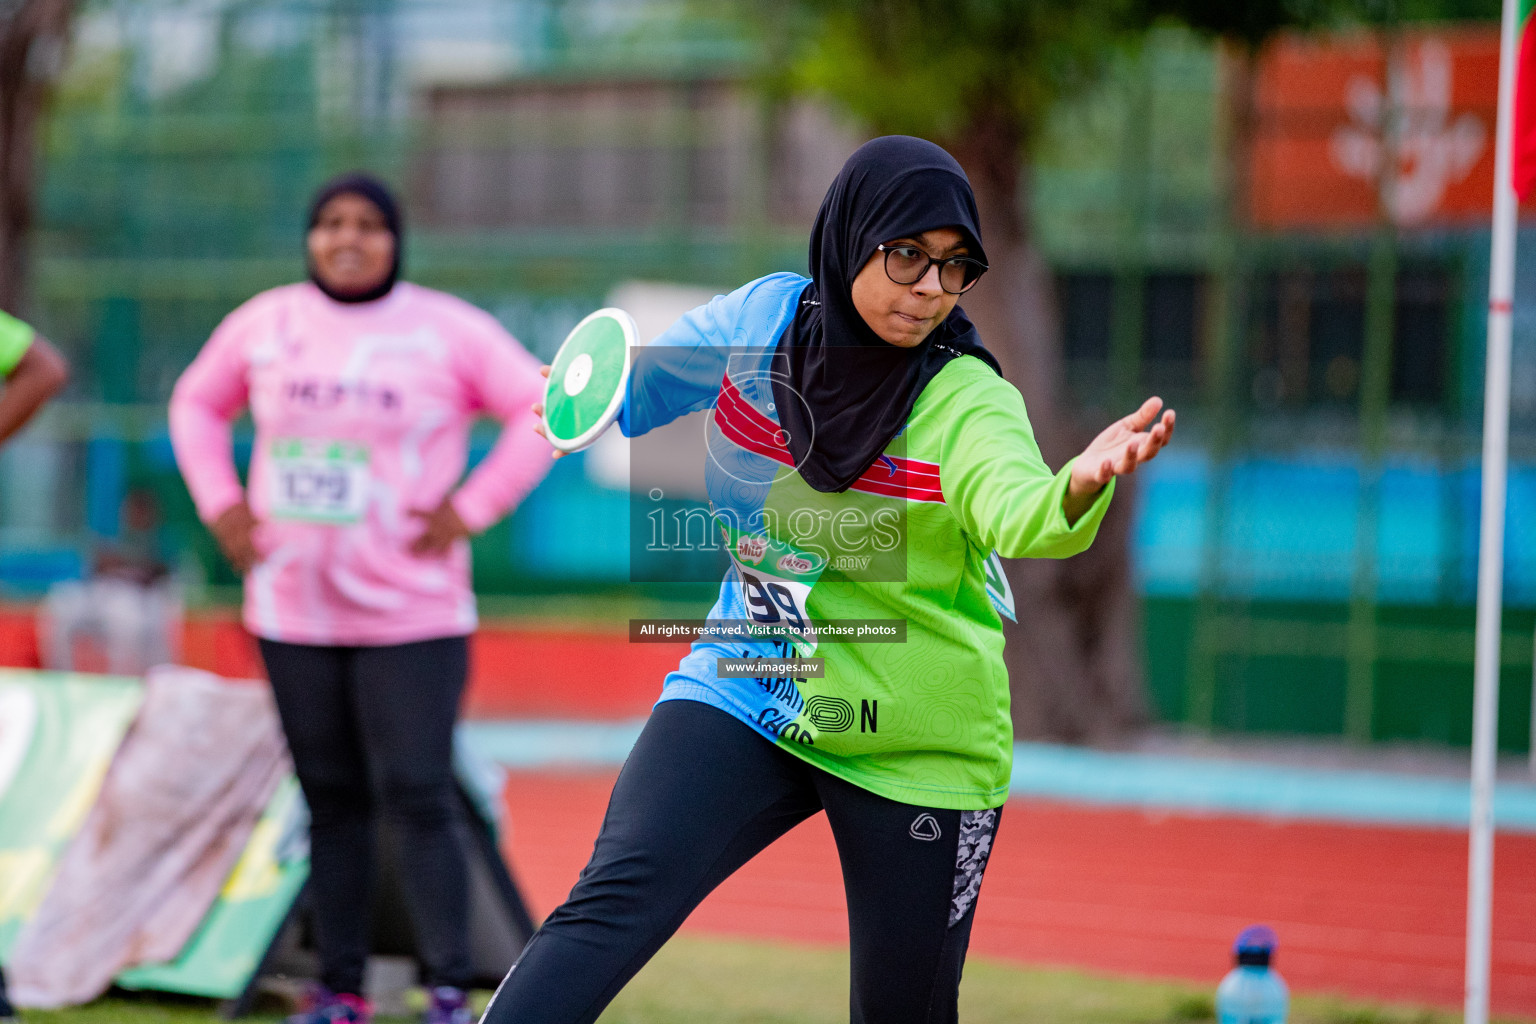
1364, 911
574, 667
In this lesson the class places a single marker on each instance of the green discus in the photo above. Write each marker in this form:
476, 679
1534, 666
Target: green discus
588, 378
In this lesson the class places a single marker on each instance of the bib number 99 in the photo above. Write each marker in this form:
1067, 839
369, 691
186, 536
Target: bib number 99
769, 601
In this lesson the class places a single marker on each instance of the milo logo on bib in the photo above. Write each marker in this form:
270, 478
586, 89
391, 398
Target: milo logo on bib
797, 565
751, 549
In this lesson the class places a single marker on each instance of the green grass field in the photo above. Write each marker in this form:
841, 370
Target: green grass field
718, 981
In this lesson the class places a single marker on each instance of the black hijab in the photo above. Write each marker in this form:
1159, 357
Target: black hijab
359, 183
857, 389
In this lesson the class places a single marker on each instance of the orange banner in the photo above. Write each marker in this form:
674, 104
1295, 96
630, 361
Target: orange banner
1321, 107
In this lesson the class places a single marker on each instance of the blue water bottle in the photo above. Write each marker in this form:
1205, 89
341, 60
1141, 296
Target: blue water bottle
1252, 992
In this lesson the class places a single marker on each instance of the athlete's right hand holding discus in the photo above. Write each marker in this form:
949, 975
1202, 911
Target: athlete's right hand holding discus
539, 428
586, 381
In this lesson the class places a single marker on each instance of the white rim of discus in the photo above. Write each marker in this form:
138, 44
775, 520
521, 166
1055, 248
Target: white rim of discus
578, 373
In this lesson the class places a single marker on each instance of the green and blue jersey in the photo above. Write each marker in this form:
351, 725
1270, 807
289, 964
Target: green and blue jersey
915, 539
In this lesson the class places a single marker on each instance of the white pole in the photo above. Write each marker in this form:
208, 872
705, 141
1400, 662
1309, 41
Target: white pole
1490, 564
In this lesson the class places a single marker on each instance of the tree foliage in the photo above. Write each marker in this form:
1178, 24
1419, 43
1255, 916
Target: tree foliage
32, 38
1250, 22
925, 67
1253, 22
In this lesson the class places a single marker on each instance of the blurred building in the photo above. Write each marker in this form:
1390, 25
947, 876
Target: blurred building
1307, 551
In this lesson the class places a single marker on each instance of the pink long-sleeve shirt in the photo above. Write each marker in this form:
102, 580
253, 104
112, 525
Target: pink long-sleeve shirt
362, 415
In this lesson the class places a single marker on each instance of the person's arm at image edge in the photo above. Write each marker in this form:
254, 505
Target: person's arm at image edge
38, 376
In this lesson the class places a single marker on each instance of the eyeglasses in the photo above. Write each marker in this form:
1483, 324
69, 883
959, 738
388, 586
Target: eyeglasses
906, 264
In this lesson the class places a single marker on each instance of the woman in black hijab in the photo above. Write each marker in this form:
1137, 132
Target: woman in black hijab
857, 386
867, 466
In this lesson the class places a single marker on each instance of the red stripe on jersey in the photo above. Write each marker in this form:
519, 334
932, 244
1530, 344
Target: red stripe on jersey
890, 475
745, 427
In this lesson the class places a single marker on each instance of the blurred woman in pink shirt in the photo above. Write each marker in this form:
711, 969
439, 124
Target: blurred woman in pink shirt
353, 538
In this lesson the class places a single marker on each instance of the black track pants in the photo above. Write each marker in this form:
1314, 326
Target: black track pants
373, 727
700, 795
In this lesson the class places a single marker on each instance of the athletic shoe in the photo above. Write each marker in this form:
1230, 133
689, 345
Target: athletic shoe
448, 1005
7, 1011
326, 1007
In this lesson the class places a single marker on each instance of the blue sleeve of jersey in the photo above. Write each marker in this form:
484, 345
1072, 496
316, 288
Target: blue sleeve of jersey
681, 370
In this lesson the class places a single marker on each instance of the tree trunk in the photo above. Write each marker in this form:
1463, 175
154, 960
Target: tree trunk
32, 38
1074, 656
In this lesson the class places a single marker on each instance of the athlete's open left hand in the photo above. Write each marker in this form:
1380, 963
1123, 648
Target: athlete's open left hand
443, 527
1126, 444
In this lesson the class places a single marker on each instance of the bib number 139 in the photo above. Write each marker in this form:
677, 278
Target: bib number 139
319, 481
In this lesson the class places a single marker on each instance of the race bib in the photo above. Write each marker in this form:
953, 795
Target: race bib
776, 580
319, 481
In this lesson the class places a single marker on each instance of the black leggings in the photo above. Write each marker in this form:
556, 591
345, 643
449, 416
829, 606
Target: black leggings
700, 795
367, 726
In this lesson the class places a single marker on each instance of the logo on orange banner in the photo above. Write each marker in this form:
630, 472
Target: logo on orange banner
1321, 108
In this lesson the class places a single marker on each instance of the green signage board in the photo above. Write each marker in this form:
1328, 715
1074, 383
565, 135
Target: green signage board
58, 735
223, 955
58, 732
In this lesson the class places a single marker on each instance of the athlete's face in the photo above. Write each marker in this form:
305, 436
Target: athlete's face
350, 246
904, 314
